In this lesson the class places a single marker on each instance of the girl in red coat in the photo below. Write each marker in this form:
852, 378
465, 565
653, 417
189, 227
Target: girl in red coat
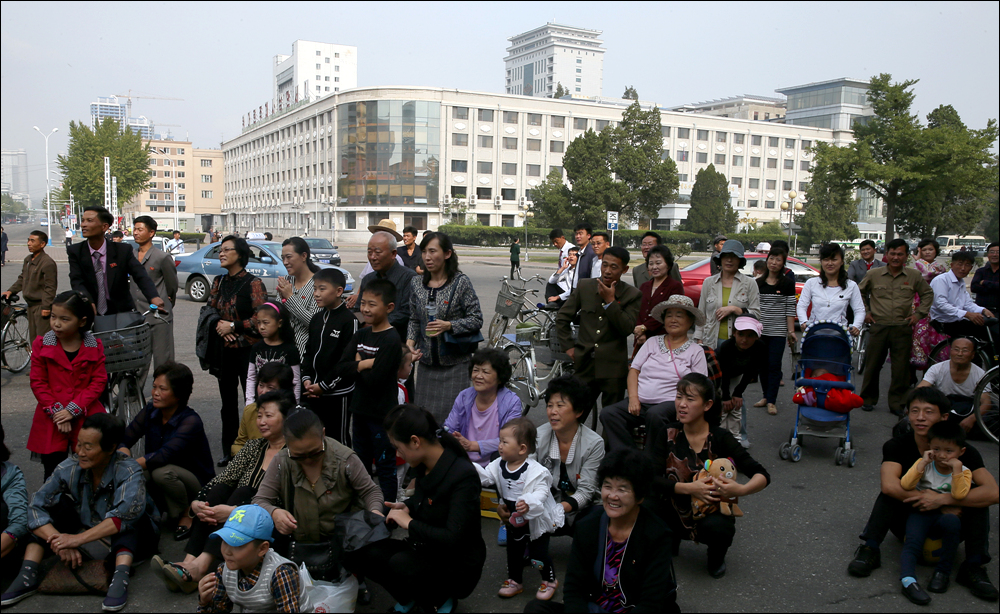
67, 378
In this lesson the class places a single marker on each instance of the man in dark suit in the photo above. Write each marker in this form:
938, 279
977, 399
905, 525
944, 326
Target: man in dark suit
608, 309
585, 260
100, 269
860, 266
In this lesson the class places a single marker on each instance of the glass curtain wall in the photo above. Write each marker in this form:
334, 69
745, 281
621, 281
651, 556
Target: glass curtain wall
390, 153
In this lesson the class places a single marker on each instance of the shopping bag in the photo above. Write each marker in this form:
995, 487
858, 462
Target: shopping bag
341, 596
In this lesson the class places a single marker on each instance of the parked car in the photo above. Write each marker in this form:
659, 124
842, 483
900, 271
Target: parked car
323, 252
694, 275
197, 271
158, 242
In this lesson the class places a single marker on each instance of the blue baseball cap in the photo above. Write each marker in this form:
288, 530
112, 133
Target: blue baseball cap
245, 524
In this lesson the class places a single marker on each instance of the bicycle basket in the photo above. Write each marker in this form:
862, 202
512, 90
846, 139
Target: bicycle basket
509, 304
126, 349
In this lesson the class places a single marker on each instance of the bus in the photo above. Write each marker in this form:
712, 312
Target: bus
950, 244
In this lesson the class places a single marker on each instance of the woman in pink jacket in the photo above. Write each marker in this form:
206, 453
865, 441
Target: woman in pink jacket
67, 378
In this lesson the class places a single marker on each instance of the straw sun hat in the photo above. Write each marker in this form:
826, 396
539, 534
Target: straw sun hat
678, 301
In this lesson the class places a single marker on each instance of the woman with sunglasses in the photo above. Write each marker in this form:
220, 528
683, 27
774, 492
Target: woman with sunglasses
313, 479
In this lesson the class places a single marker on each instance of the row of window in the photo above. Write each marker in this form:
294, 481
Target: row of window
532, 119
738, 138
701, 157
506, 168
167, 186
769, 184
486, 142
204, 194
336, 67
165, 162
322, 78
327, 88
506, 194
180, 174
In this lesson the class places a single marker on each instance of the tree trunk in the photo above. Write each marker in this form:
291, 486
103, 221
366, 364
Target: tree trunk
890, 221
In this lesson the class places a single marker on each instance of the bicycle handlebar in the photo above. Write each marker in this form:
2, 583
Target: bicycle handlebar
12, 299
153, 309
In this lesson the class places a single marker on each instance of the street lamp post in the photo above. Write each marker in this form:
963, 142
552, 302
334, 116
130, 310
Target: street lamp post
791, 206
48, 194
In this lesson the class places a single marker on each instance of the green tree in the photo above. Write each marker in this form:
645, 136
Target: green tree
711, 211
553, 204
11, 207
646, 180
832, 210
83, 166
630, 93
560, 91
588, 168
913, 168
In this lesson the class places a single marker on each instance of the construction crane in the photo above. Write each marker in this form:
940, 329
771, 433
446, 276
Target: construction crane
130, 97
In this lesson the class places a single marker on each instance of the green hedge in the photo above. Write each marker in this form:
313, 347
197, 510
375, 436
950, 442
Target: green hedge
493, 236
188, 237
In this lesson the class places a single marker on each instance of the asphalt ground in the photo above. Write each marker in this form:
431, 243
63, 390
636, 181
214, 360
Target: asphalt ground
791, 549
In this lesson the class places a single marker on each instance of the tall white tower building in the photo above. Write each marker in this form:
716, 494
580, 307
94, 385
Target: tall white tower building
314, 70
539, 59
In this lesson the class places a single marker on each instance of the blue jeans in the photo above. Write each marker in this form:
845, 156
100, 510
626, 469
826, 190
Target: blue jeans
918, 526
775, 352
371, 444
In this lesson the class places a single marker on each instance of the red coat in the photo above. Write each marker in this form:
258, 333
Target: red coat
74, 385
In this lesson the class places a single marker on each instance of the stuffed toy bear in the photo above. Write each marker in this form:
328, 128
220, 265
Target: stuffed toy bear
718, 468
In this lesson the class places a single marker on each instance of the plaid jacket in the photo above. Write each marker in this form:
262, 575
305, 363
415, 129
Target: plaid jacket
714, 370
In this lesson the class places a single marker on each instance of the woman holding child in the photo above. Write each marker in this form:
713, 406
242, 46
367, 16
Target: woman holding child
444, 318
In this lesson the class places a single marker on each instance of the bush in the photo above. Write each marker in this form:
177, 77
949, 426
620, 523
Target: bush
493, 236
187, 237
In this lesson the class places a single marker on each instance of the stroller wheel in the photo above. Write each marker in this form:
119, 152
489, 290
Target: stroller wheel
853, 459
796, 454
783, 451
839, 456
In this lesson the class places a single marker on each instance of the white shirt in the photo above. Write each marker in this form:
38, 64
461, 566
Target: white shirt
939, 376
830, 303
175, 246
951, 299
564, 252
565, 282
595, 271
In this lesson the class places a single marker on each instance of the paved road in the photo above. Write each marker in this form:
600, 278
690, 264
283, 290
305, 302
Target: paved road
791, 549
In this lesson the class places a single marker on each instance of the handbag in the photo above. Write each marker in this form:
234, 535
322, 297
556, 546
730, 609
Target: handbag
117, 321
465, 343
322, 559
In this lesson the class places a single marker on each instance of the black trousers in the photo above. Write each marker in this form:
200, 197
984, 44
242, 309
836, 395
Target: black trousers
890, 514
332, 410
611, 390
220, 494
538, 550
514, 266
715, 530
410, 575
51, 461
232, 380
965, 328
618, 422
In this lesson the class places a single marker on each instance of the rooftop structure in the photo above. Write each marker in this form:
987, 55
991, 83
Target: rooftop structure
540, 59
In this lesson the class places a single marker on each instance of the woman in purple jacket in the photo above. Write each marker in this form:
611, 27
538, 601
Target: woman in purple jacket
481, 410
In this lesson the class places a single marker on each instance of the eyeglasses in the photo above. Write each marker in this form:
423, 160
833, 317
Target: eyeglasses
226, 250
310, 455
961, 350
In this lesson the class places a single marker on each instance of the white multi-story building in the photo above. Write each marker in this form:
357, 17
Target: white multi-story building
314, 70
540, 59
118, 110
421, 155
747, 106
14, 166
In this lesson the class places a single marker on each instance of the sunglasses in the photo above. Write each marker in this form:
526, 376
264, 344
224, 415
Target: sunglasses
310, 455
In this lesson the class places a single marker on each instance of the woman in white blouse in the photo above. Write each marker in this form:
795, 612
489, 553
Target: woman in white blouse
831, 293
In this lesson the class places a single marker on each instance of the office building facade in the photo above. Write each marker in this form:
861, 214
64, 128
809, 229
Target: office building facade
425, 156
540, 59
117, 109
313, 70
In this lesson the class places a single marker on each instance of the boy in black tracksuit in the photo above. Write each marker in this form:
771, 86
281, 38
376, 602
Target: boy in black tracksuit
373, 356
327, 392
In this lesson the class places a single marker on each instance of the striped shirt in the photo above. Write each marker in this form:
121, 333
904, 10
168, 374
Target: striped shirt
777, 303
302, 307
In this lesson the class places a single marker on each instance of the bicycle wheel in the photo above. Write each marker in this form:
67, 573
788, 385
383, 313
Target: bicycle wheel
16, 344
128, 405
940, 353
861, 351
497, 329
522, 379
988, 416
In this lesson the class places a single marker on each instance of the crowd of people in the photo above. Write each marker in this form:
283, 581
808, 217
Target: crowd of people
343, 417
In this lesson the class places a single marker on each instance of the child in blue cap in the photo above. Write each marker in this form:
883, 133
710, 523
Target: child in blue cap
246, 549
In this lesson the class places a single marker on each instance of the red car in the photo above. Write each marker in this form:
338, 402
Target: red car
694, 275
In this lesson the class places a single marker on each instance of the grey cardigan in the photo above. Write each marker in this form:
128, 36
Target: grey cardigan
744, 294
582, 462
463, 312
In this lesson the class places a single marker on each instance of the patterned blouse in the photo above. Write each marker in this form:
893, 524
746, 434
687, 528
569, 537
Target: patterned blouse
246, 469
236, 298
456, 303
303, 307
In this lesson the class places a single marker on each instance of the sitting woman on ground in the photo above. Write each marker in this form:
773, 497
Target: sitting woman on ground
443, 558
94, 505
481, 409
654, 373
272, 376
680, 452
659, 288
178, 461
608, 571
234, 487
311, 481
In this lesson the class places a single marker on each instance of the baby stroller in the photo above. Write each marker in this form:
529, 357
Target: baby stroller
826, 346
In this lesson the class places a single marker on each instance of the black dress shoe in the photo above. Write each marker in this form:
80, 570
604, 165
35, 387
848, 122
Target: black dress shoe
916, 594
181, 533
866, 560
225, 461
717, 571
867, 408
976, 580
939, 582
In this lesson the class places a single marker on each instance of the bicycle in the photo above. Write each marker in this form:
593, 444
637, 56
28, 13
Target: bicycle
982, 358
510, 302
861, 348
126, 356
15, 338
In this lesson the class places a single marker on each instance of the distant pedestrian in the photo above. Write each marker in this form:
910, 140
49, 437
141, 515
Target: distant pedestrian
117, 236
986, 281
3, 247
69, 236
176, 245
515, 257
717, 244
411, 255
38, 281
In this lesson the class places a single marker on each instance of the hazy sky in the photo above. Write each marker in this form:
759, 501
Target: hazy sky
57, 57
